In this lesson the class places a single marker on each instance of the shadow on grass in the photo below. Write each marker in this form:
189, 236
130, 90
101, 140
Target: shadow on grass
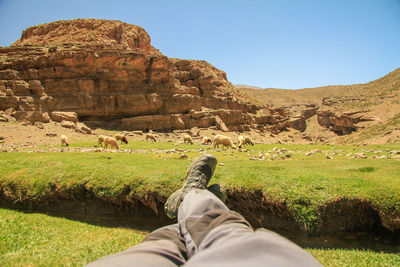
378, 240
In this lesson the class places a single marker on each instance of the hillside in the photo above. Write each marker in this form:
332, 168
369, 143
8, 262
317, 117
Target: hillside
289, 97
352, 112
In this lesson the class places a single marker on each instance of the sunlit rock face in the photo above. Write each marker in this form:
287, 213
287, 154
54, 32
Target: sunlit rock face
107, 72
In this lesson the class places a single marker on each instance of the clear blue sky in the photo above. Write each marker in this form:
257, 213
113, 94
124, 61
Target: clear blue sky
266, 43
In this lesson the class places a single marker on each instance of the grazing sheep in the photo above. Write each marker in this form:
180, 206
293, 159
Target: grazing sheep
101, 140
187, 138
248, 141
206, 140
244, 141
64, 140
122, 138
223, 140
151, 137
111, 141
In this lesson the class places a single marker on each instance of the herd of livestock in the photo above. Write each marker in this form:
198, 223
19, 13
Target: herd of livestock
216, 142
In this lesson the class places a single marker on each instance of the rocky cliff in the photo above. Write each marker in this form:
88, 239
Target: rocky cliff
362, 105
109, 75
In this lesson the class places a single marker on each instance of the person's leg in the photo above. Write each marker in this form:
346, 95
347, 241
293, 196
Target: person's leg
162, 247
216, 236
165, 246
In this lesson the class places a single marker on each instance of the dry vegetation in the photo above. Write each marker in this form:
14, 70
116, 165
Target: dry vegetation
376, 105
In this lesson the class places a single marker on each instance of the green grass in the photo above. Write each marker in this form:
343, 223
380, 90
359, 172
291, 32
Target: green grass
355, 257
42, 240
304, 182
32, 239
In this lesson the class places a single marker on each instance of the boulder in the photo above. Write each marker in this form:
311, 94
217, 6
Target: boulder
7, 102
35, 87
60, 116
79, 131
46, 102
20, 115
8, 117
220, 124
26, 103
31, 116
35, 116
45, 117
86, 129
68, 124
9, 111
83, 128
3, 118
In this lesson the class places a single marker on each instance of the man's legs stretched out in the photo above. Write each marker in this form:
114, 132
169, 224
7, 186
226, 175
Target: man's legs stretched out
213, 235
166, 246
216, 236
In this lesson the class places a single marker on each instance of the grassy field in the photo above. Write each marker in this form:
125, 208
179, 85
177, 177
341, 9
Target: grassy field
41, 240
303, 182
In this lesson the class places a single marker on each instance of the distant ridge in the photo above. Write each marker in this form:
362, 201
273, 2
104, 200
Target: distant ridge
287, 97
247, 86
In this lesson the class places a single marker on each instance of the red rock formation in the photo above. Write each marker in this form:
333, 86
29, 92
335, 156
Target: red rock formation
108, 71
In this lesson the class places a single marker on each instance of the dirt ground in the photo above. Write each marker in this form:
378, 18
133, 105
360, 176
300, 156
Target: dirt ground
20, 134
17, 134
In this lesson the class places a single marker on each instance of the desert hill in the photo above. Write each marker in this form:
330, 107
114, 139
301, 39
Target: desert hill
106, 74
289, 97
363, 112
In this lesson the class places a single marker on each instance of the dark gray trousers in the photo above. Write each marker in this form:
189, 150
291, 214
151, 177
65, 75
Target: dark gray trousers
209, 234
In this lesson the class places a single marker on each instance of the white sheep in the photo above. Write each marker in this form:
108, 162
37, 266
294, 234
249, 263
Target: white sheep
111, 141
64, 140
244, 141
223, 140
122, 138
187, 138
206, 140
151, 137
101, 140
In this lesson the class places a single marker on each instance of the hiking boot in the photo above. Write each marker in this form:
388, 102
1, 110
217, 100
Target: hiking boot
218, 191
197, 177
173, 202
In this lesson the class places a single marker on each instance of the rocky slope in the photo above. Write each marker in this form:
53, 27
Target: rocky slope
361, 113
106, 73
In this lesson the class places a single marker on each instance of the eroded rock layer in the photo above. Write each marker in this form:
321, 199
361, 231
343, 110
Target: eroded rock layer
108, 73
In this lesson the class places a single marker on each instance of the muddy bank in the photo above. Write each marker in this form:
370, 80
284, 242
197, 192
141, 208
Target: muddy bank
344, 218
